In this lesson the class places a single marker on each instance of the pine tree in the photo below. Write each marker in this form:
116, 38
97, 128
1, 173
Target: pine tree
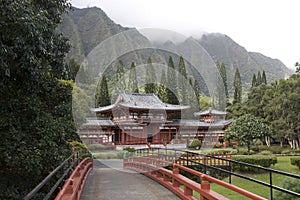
150, 78
119, 83
171, 83
162, 90
237, 87
182, 80
264, 77
102, 94
254, 82
222, 71
259, 79
132, 85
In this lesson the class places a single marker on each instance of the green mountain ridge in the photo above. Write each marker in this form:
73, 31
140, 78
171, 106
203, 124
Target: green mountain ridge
88, 27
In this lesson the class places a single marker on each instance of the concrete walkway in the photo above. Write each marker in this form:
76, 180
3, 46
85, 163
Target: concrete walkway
108, 181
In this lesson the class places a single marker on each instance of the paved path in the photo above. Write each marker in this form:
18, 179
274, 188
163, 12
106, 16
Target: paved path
108, 181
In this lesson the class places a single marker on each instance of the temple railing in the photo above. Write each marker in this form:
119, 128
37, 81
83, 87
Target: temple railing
217, 166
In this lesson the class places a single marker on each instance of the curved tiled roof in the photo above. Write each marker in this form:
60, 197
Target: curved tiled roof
210, 112
141, 101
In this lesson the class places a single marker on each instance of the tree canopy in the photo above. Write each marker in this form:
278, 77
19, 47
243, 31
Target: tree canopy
35, 104
245, 129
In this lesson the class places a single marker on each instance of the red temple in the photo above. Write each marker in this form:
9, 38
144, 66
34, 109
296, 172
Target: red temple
141, 120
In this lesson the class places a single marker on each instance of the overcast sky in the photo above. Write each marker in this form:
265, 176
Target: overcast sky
271, 27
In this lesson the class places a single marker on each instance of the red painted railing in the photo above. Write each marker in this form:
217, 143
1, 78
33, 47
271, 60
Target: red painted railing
73, 186
151, 166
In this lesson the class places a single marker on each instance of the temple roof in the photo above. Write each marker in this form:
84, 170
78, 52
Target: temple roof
197, 123
98, 122
140, 101
210, 112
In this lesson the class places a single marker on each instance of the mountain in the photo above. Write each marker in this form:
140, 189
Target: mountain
223, 49
86, 28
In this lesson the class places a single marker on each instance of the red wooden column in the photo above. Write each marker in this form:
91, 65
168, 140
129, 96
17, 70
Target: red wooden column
123, 137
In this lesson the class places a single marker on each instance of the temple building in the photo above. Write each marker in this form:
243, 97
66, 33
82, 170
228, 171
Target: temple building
143, 120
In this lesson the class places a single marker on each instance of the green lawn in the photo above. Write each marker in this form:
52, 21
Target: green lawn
283, 165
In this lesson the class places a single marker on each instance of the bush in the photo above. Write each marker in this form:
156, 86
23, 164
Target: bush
265, 152
195, 144
129, 149
291, 151
296, 162
290, 184
261, 160
273, 149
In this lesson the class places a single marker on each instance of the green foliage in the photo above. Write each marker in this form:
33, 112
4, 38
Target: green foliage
254, 82
129, 149
132, 84
150, 78
297, 65
222, 71
171, 83
296, 162
259, 78
237, 98
265, 152
35, 104
76, 146
182, 81
195, 144
102, 95
289, 184
245, 129
162, 90
261, 160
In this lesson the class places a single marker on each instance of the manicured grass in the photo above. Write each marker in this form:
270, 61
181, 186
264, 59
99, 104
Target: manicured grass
282, 165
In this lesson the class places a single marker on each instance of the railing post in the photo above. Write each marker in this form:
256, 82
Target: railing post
205, 185
175, 172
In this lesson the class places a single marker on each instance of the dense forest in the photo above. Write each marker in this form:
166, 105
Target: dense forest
35, 94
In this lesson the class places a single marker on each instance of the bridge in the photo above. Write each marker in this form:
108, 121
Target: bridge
180, 174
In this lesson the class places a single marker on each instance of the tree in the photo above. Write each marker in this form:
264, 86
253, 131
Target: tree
223, 74
118, 81
132, 82
162, 90
297, 65
171, 83
182, 81
102, 94
35, 104
71, 69
245, 129
197, 90
264, 77
237, 98
259, 78
254, 82
150, 78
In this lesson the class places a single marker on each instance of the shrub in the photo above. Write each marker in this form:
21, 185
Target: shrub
129, 149
290, 184
261, 160
195, 143
221, 151
265, 152
296, 161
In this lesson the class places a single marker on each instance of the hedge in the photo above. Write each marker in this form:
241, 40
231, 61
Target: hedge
296, 161
261, 160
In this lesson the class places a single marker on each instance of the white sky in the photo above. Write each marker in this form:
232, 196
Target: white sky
270, 27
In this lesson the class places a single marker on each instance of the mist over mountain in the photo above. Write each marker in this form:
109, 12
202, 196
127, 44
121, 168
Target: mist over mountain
86, 28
